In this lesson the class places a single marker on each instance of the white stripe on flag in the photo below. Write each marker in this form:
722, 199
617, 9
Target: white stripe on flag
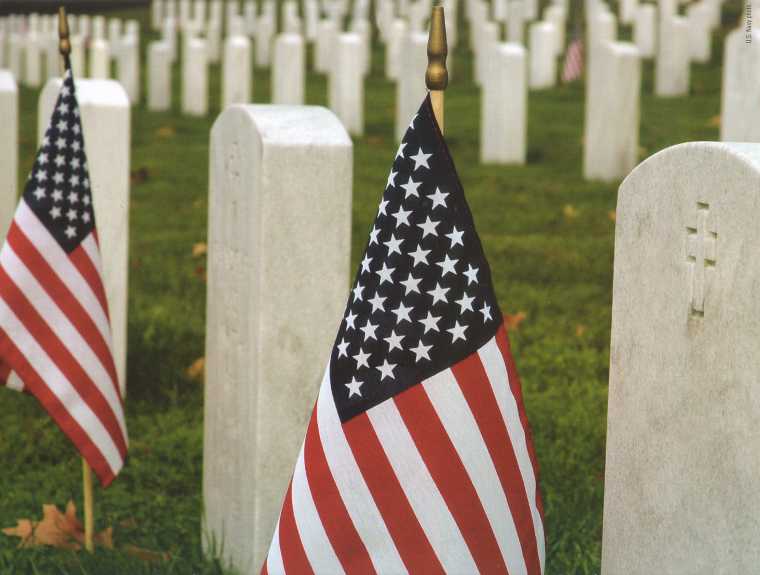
60, 325
496, 370
59, 261
274, 559
460, 425
315, 543
60, 387
352, 487
420, 489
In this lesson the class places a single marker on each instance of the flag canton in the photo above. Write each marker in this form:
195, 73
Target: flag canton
58, 189
422, 299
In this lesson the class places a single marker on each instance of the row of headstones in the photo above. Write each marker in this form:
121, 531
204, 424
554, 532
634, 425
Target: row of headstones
344, 56
259, 393
613, 79
29, 48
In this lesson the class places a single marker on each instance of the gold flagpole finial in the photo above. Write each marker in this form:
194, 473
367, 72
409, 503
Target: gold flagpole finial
64, 44
436, 76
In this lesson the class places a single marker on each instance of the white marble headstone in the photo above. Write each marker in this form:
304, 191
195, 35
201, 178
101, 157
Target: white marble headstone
543, 60
346, 89
504, 118
100, 59
611, 129
740, 108
645, 30
8, 149
681, 477
195, 78
279, 240
672, 69
236, 71
288, 70
159, 76
410, 87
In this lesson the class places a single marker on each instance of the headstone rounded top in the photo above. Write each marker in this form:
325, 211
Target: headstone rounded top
91, 91
290, 125
512, 48
290, 38
7, 81
691, 156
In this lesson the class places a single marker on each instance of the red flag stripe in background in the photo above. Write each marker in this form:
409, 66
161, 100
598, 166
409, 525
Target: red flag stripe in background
463, 425
573, 66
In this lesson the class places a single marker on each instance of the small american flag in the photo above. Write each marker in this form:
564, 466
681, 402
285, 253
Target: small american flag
573, 66
55, 334
418, 456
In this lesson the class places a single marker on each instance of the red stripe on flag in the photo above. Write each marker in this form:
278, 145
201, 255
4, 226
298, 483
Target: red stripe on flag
264, 569
405, 529
83, 263
293, 555
62, 358
63, 298
473, 381
341, 532
56, 409
5, 371
451, 477
502, 341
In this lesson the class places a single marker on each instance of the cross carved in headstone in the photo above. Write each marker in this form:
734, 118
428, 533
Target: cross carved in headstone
701, 253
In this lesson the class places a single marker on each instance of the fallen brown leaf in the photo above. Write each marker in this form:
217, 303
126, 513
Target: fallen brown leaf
580, 329
56, 529
199, 249
514, 321
200, 273
165, 132
612, 215
23, 529
570, 212
714, 122
146, 554
195, 371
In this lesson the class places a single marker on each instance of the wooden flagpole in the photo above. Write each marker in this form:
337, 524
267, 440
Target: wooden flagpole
89, 517
436, 76
64, 47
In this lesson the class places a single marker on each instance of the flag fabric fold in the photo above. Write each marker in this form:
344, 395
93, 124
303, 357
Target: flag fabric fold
55, 334
418, 456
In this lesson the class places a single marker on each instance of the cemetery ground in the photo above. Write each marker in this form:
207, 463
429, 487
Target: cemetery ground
547, 234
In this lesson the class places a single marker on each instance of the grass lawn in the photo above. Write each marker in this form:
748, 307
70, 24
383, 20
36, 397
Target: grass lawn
548, 236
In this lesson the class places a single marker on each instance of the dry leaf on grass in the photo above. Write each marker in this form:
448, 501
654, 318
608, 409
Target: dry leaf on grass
570, 212
514, 321
199, 249
56, 529
195, 371
146, 554
612, 215
714, 122
580, 329
165, 132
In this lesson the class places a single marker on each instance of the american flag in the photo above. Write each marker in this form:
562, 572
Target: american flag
573, 66
55, 335
418, 456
